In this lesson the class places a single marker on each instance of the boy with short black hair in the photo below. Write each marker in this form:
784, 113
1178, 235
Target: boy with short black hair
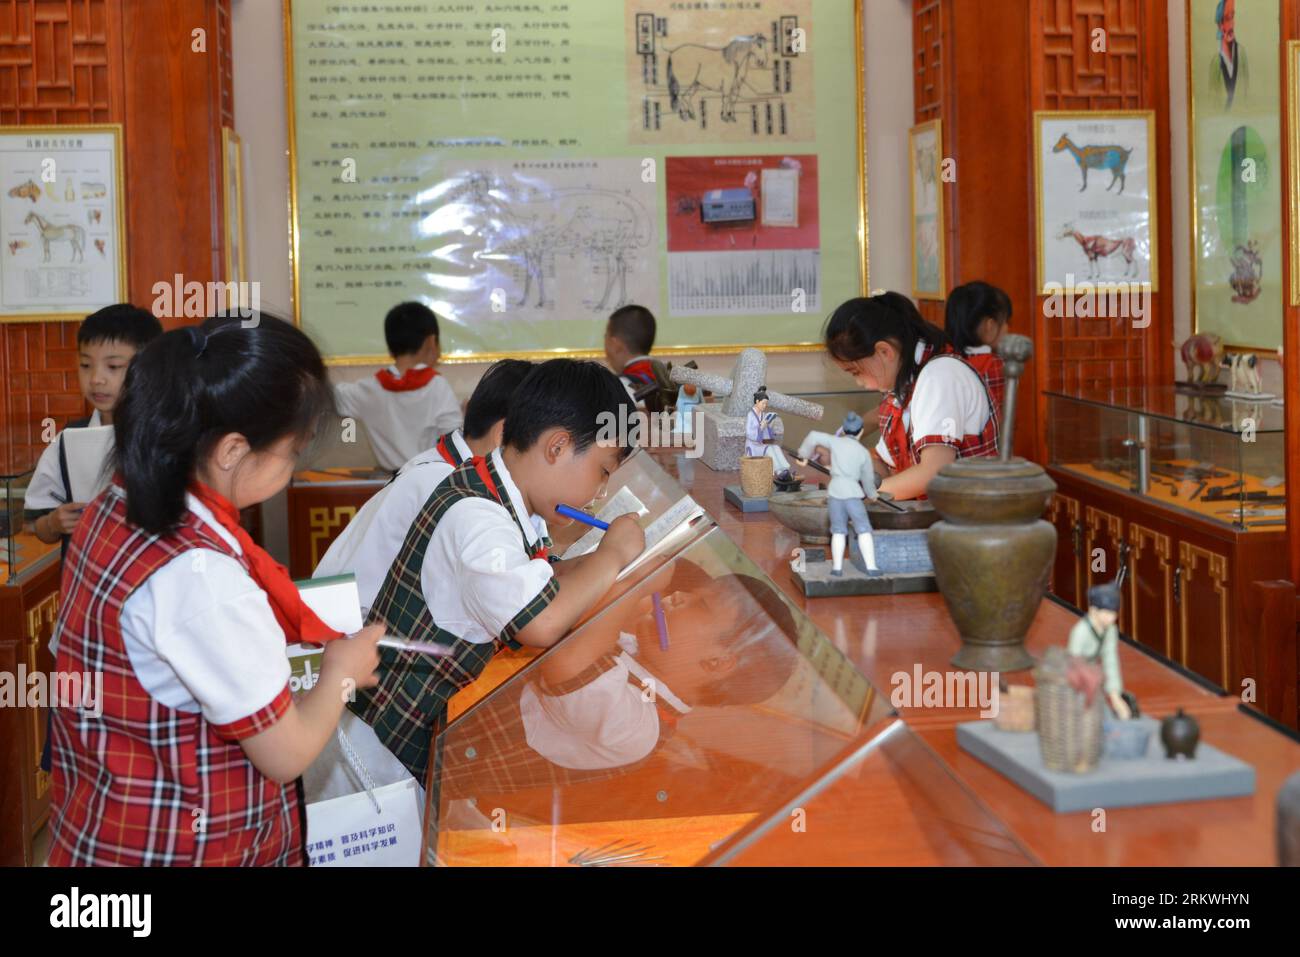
629, 337
409, 405
106, 342
472, 572
370, 542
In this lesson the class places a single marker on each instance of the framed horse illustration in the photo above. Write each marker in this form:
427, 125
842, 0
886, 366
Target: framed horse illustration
1094, 179
62, 221
929, 268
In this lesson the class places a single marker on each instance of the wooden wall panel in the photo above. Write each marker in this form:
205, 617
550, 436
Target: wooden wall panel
930, 88
129, 62
1132, 73
1291, 323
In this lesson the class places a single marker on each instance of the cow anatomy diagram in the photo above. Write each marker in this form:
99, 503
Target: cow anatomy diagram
551, 245
706, 76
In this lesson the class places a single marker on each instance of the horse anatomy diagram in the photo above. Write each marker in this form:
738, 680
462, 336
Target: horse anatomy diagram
1095, 202
720, 76
59, 227
556, 243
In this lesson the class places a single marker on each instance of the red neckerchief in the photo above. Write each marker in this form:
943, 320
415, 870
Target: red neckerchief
641, 370
410, 380
481, 467
297, 620
448, 451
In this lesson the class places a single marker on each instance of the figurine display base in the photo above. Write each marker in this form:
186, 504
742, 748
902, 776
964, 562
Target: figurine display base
1249, 396
738, 499
1151, 779
721, 438
903, 558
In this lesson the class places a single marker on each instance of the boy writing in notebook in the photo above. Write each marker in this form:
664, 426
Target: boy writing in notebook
409, 405
472, 573
106, 343
370, 542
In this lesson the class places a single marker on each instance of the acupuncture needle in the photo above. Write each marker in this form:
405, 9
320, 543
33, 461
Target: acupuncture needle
419, 647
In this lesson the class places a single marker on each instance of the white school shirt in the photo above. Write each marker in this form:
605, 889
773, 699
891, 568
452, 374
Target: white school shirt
476, 575
369, 543
45, 490
401, 424
948, 399
605, 724
201, 635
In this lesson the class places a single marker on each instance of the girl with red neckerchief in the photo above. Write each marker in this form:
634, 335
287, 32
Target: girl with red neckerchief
192, 754
935, 409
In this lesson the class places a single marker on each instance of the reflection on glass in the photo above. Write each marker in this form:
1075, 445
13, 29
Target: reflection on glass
673, 727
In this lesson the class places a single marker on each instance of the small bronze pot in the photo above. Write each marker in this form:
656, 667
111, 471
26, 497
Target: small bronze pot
992, 556
1180, 734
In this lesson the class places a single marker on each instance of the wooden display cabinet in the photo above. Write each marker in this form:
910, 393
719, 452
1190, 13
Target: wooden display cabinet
1201, 577
321, 503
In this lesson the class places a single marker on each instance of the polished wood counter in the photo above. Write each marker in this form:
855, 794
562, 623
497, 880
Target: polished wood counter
888, 635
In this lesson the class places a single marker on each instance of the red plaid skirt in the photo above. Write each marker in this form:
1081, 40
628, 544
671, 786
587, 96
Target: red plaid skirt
143, 784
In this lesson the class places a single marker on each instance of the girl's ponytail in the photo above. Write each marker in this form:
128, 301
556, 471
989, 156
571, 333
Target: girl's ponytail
262, 378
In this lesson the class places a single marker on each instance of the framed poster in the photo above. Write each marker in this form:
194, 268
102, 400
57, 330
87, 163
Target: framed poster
717, 177
1235, 140
1095, 188
929, 265
62, 222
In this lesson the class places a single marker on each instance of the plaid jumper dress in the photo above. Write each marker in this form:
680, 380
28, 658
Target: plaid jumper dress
414, 689
142, 783
905, 448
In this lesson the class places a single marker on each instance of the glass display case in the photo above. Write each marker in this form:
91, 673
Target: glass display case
1218, 458
20, 549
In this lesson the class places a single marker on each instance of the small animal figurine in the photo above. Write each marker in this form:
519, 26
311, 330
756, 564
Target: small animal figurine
1203, 356
1179, 733
1243, 373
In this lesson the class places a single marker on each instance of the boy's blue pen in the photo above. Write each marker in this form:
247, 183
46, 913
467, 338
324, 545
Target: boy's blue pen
578, 515
660, 624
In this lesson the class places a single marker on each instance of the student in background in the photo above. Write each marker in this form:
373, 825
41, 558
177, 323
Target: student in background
976, 316
370, 542
106, 343
936, 408
473, 572
629, 337
191, 756
409, 405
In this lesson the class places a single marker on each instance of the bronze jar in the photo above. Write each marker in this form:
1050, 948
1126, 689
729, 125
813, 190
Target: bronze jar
992, 555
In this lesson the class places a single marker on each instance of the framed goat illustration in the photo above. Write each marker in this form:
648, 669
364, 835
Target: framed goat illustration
1094, 178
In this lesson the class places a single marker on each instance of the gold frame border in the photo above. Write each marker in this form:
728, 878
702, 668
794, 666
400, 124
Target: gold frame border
937, 124
1153, 198
1293, 181
864, 249
1194, 219
119, 163
233, 207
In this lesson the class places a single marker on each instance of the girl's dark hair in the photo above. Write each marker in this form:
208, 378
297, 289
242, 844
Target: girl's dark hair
257, 376
968, 306
855, 328
581, 397
491, 397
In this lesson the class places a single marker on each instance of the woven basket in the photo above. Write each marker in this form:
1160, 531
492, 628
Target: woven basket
756, 476
1069, 731
1016, 709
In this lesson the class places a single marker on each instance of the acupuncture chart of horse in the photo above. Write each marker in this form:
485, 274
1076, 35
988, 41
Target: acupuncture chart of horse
60, 194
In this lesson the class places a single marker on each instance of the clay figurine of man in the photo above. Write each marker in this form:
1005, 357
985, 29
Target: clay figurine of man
1095, 639
759, 439
852, 477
